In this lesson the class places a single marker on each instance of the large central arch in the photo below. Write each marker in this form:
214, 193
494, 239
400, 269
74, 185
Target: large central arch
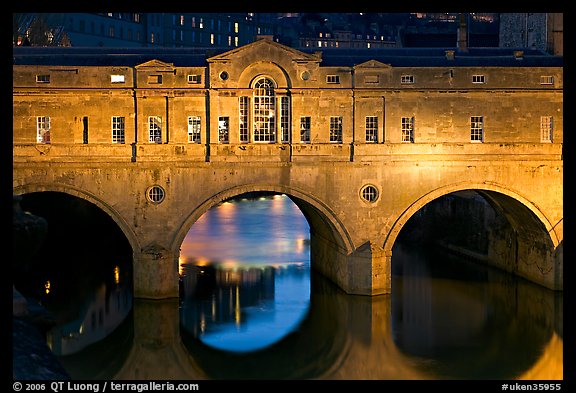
325, 227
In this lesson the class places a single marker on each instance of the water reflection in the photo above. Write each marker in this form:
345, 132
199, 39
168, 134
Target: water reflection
276, 319
245, 273
244, 308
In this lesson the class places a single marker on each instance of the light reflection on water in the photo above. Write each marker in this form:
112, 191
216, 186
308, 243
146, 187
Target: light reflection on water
248, 315
245, 273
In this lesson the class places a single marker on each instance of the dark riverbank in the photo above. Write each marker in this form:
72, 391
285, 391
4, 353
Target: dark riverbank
32, 359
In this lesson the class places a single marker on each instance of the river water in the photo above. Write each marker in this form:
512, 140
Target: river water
251, 308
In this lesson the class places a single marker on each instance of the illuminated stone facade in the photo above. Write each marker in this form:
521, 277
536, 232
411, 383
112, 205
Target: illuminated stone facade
359, 140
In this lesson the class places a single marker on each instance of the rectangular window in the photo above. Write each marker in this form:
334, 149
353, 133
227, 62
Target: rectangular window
336, 129
408, 129
155, 129
477, 129
407, 79
478, 79
45, 78
155, 79
117, 78
223, 130
43, 129
85, 130
334, 79
194, 129
546, 80
285, 119
305, 129
546, 128
194, 78
243, 105
372, 129
118, 129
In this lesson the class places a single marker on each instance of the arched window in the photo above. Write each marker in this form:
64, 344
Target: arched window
264, 111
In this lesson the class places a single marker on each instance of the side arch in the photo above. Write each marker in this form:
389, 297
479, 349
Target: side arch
532, 249
390, 237
79, 193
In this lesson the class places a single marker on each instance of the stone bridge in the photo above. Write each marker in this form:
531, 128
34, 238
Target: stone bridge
155, 199
360, 142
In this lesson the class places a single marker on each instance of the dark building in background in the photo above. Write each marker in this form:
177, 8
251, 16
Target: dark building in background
543, 31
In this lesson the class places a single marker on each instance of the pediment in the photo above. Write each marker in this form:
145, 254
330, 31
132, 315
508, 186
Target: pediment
156, 65
371, 64
266, 48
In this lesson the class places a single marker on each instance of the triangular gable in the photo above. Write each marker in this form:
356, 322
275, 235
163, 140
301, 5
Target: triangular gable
157, 65
373, 64
296, 55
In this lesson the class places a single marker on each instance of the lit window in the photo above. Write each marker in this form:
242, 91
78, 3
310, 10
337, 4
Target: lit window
407, 79
223, 129
194, 129
408, 129
264, 111
155, 129
546, 128
43, 129
117, 78
477, 129
243, 118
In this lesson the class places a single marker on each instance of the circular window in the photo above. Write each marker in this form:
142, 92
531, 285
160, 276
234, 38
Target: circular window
223, 75
369, 193
305, 75
155, 194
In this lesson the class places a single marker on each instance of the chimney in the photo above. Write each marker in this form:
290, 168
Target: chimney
462, 34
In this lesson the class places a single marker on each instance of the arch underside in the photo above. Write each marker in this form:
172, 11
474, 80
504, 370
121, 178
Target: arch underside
77, 192
534, 247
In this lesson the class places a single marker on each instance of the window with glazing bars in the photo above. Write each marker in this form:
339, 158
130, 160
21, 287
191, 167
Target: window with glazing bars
371, 129
223, 130
546, 128
477, 129
285, 119
264, 110
155, 129
194, 129
43, 129
243, 118
305, 129
408, 129
336, 129
118, 129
